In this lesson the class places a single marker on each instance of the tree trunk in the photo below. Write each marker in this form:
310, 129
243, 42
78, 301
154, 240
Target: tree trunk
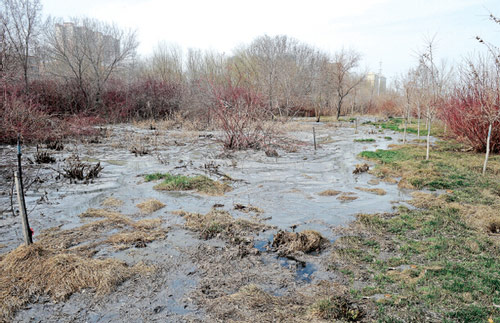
418, 127
404, 132
487, 148
339, 106
428, 139
418, 121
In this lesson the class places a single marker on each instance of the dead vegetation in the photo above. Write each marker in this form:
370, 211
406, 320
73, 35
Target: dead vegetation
254, 304
219, 223
200, 183
307, 241
150, 206
251, 303
58, 265
338, 307
139, 150
347, 196
112, 219
136, 238
329, 193
55, 145
248, 208
378, 191
44, 157
77, 170
112, 202
361, 168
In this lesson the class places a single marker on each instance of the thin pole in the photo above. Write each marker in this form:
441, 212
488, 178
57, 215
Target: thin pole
24, 217
314, 137
20, 195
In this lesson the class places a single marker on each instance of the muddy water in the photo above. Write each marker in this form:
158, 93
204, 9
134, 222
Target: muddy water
286, 188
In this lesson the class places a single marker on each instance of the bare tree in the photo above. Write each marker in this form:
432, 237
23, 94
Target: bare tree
20, 24
434, 80
166, 63
407, 85
345, 80
89, 51
485, 80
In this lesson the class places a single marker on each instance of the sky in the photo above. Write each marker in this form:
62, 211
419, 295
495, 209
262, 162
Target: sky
388, 31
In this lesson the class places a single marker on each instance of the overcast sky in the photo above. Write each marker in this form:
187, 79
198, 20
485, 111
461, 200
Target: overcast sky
389, 31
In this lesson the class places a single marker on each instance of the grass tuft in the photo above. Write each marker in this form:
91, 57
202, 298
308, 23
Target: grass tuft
200, 183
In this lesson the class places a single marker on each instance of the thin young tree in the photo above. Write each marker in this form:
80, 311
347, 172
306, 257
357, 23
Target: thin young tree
408, 89
487, 85
434, 80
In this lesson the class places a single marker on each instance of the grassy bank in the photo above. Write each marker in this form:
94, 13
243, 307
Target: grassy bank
439, 261
396, 124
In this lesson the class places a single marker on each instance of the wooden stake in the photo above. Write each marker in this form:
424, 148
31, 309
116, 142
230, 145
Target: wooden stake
314, 137
22, 210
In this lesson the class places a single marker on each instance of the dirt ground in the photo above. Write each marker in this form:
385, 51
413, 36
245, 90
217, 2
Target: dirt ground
213, 257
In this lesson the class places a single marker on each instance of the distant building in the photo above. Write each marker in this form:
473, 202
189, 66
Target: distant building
376, 82
71, 35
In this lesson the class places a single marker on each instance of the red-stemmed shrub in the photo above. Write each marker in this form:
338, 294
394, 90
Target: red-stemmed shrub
464, 117
154, 99
241, 113
21, 115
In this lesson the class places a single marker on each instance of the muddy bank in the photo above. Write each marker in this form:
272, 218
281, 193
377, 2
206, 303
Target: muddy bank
199, 270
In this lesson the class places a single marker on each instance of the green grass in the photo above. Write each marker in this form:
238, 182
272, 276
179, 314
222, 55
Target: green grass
396, 124
364, 140
448, 168
199, 183
388, 138
449, 266
436, 262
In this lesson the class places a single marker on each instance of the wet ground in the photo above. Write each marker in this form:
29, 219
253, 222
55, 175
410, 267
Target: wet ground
194, 274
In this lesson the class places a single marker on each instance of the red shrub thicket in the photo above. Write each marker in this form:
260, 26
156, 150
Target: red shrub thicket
465, 118
21, 115
386, 106
45, 114
144, 99
54, 110
58, 98
241, 113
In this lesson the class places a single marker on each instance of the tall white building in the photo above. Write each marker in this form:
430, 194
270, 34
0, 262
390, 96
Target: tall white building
377, 82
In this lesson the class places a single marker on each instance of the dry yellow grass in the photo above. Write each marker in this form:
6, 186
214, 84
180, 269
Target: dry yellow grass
112, 202
60, 262
139, 239
248, 208
180, 212
219, 222
378, 191
147, 224
31, 271
329, 193
348, 196
485, 218
150, 206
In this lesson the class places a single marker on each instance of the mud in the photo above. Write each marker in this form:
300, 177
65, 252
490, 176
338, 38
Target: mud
199, 277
